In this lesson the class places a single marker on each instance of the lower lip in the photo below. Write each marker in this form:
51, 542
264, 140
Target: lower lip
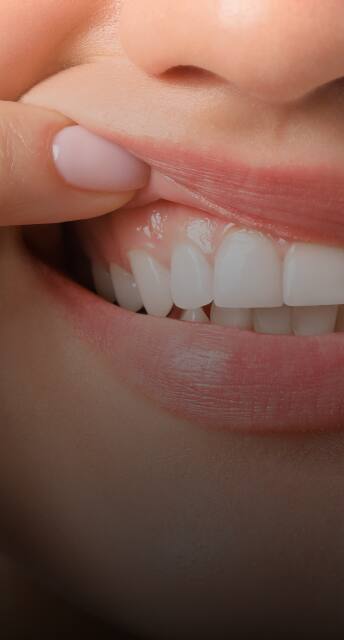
214, 377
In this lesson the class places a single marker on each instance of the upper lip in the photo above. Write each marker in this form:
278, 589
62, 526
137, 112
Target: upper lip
301, 203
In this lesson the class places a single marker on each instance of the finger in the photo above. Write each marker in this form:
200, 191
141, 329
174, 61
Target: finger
54, 171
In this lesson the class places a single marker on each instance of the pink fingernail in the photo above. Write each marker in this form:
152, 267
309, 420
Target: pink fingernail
88, 161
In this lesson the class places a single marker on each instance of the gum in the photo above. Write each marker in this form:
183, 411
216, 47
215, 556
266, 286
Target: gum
155, 228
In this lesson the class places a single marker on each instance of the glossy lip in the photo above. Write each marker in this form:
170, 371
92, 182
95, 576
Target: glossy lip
217, 378
295, 203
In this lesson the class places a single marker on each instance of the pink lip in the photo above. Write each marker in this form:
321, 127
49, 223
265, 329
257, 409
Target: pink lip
292, 202
214, 377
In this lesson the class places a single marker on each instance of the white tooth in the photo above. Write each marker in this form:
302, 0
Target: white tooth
237, 318
340, 319
153, 281
194, 315
191, 277
313, 275
314, 321
127, 293
275, 321
248, 272
103, 282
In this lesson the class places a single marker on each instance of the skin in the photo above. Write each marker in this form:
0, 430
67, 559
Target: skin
158, 527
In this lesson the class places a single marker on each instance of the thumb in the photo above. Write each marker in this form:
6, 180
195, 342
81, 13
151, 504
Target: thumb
54, 171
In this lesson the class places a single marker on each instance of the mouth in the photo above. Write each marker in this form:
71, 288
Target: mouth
227, 325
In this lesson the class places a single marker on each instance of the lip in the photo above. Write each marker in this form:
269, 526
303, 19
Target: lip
288, 193
294, 203
216, 378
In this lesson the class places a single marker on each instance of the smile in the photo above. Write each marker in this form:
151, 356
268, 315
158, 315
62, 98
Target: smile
167, 258
239, 328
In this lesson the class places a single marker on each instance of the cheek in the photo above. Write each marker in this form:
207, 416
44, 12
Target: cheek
36, 37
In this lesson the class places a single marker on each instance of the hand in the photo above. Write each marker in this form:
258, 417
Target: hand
53, 171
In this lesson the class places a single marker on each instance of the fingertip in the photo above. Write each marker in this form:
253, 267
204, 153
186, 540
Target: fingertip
87, 161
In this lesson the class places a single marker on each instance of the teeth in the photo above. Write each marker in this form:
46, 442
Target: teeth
153, 281
273, 321
313, 275
236, 318
191, 277
103, 282
248, 272
194, 315
250, 286
314, 321
127, 293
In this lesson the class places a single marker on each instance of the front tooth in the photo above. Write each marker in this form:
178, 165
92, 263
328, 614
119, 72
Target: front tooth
313, 275
248, 272
103, 282
127, 293
236, 318
273, 321
314, 321
191, 277
194, 315
153, 281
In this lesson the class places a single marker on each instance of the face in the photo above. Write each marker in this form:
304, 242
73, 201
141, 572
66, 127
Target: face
173, 475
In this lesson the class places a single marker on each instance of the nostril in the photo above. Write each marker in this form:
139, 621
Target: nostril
190, 75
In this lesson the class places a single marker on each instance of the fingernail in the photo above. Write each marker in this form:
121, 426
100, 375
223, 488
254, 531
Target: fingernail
88, 161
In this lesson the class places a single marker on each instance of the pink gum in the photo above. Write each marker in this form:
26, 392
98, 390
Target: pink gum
155, 228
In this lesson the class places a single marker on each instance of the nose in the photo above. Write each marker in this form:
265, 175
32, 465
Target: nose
275, 50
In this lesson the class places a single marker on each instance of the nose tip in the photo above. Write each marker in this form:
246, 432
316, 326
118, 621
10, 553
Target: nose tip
275, 51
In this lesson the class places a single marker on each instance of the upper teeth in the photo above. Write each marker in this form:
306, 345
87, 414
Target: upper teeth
191, 277
126, 290
248, 272
153, 281
313, 275
103, 282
